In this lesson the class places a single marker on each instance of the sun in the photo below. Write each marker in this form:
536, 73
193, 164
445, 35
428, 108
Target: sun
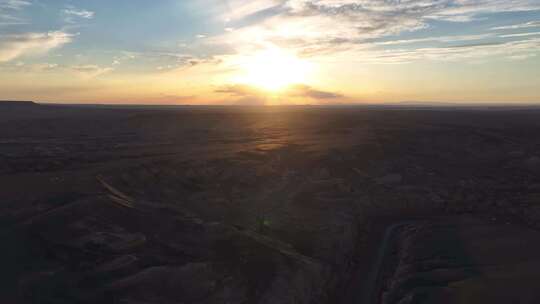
273, 69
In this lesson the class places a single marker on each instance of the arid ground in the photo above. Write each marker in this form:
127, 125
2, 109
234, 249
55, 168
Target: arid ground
269, 204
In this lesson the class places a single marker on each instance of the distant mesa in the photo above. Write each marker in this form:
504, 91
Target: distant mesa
17, 104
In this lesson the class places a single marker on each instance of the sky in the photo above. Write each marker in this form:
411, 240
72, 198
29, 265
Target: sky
270, 52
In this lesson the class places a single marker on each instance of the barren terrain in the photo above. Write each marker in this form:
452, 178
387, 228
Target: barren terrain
262, 204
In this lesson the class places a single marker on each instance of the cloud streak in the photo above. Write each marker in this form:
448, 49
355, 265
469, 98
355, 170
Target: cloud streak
13, 46
241, 94
457, 52
74, 15
529, 24
7, 10
310, 92
79, 13
319, 27
90, 70
14, 4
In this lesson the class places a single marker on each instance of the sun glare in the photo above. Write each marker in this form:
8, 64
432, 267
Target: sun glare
274, 69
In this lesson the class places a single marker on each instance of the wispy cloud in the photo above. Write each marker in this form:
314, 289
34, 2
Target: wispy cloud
167, 61
8, 10
14, 4
310, 92
520, 35
518, 26
460, 52
446, 39
241, 94
79, 13
240, 9
238, 90
84, 71
13, 46
90, 70
6, 19
248, 95
326, 26
72, 14
45, 67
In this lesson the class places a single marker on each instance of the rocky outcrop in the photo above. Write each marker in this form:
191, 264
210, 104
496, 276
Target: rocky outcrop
462, 260
118, 249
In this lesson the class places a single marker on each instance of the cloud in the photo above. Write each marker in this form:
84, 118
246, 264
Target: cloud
240, 9
240, 94
521, 56
13, 46
6, 19
82, 70
251, 101
90, 70
518, 26
23, 67
79, 13
365, 30
307, 91
13, 4
7, 10
238, 90
520, 35
445, 39
73, 14
168, 61
520, 48
318, 27
44, 67
248, 95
